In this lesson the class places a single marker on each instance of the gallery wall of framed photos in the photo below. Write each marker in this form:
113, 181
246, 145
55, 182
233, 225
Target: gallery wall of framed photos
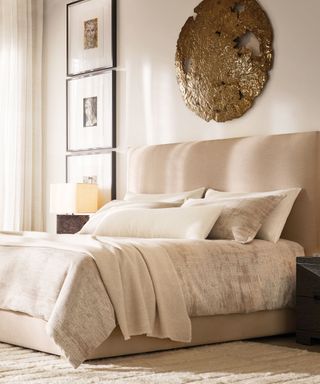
91, 95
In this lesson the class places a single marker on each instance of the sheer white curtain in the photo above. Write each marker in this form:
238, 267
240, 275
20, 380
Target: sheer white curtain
20, 115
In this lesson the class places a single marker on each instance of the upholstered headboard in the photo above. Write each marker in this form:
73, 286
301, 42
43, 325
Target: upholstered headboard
259, 163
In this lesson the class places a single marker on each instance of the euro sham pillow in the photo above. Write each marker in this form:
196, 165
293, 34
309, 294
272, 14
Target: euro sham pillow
273, 225
177, 223
240, 219
166, 197
95, 219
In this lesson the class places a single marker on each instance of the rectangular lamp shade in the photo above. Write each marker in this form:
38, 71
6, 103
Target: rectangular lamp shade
68, 198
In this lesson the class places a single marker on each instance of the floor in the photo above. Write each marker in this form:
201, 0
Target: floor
266, 361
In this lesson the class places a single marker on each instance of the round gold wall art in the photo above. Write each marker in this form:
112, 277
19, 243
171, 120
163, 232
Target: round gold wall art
224, 54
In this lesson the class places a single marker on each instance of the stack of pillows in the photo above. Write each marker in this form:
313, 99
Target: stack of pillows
219, 215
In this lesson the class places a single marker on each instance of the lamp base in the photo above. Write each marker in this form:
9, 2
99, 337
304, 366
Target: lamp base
70, 223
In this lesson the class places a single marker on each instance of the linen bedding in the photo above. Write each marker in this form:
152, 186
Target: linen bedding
83, 286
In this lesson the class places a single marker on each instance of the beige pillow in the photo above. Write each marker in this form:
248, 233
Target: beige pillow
240, 219
187, 223
95, 219
168, 197
273, 225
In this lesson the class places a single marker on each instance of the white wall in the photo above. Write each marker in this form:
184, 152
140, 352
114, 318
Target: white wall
150, 108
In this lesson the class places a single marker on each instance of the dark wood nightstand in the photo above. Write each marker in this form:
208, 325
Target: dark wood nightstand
308, 300
70, 223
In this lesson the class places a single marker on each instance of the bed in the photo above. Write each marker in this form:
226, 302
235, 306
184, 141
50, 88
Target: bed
244, 164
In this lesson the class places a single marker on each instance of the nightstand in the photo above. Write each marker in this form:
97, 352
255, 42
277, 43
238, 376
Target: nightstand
70, 223
308, 300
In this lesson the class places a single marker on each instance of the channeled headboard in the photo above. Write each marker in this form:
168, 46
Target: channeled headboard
259, 163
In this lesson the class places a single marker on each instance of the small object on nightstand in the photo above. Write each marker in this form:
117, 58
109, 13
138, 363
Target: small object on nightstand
308, 300
72, 202
70, 223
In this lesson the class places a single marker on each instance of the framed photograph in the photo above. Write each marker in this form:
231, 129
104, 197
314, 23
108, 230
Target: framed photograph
91, 112
91, 36
96, 168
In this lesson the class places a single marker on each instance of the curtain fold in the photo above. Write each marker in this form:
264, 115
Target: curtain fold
21, 203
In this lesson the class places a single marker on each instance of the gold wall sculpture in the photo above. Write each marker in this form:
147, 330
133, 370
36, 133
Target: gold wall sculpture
224, 54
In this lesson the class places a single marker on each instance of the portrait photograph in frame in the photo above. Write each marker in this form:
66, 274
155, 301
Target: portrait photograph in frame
95, 168
91, 36
91, 112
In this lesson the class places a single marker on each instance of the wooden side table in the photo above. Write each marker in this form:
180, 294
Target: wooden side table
70, 223
308, 300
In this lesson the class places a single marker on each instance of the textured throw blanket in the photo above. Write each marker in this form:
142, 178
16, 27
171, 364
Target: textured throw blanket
220, 277
146, 286
58, 281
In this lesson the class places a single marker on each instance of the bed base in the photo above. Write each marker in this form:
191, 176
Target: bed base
26, 331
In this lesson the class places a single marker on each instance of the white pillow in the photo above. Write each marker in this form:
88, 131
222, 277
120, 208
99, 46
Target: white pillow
168, 197
177, 223
95, 219
274, 223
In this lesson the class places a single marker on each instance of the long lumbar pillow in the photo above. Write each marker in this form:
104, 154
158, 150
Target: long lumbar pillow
96, 218
241, 218
168, 197
273, 225
178, 223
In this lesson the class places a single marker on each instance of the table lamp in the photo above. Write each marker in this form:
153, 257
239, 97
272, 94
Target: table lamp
72, 203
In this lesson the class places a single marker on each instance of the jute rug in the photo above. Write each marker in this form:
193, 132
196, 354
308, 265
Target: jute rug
261, 361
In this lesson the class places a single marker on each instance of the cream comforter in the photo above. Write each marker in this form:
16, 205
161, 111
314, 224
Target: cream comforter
82, 285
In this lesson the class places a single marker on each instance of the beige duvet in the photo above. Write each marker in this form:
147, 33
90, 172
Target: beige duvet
83, 286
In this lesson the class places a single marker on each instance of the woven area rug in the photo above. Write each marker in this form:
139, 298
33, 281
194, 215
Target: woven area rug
275, 360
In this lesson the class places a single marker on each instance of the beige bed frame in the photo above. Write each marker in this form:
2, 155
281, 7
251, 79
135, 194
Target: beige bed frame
26, 331
243, 164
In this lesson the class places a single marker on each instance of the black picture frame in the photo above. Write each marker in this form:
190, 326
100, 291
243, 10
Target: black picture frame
90, 164
88, 47
100, 86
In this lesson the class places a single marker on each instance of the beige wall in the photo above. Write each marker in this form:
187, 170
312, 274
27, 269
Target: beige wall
150, 109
